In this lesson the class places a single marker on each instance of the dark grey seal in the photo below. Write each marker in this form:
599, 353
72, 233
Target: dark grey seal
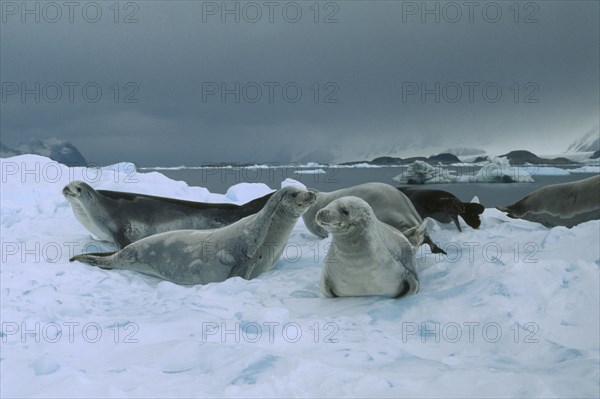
244, 249
124, 217
443, 206
565, 204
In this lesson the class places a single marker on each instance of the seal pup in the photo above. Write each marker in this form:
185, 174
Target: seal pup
245, 248
565, 204
443, 206
123, 217
390, 205
367, 256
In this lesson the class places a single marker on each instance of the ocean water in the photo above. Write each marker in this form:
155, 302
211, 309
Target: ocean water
218, 180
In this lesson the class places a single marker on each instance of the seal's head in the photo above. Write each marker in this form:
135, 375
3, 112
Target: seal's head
78, 191
295, 200
344, 215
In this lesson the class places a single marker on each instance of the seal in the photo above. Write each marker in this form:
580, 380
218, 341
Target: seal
123, 217
390, 205
244, 249
367, 256
565, 204
443, 206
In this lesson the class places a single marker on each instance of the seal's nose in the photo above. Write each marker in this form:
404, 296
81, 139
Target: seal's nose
306, 198
323, 215
66, 191
310, 197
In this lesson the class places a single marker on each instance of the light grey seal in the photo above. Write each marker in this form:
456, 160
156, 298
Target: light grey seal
245, 248
367, 256
565, 204
389, 204
123, 217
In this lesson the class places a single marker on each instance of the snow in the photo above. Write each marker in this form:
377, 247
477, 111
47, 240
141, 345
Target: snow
512, 311
588, 142
244, 192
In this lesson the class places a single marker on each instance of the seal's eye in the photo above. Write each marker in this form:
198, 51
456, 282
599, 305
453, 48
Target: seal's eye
78, 189
294, 195
345, 212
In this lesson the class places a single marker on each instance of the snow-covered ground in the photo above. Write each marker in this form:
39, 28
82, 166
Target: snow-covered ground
512, 311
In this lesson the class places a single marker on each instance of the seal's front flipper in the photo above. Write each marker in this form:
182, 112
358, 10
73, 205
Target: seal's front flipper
326, 287
456, 222
434, 248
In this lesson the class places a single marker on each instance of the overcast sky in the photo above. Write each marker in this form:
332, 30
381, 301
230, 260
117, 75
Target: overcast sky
376, 78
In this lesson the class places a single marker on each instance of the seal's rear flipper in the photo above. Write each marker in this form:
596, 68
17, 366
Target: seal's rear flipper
434, 248
471, 214
408, 286
100, 259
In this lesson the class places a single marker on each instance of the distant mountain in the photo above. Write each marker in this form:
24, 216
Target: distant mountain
385, 161
57, 150
521, 157
465, 151
595, 155
6, 152
444, 158
588, 143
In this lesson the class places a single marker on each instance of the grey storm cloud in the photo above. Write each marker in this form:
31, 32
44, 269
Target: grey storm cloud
185, 82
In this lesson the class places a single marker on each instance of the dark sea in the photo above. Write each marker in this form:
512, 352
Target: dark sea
218, 180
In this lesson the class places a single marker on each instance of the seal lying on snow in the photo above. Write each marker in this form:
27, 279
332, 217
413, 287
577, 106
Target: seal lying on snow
389, 205
127, 217
443, 206
245, 248
367, 256
565, 204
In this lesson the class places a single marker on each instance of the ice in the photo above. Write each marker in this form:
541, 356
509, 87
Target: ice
244, 192
310, 171
511, 311
497, 170
546, 171
357, 165
586, 169
420, 172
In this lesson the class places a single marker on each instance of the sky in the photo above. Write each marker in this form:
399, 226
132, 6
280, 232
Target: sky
193, 82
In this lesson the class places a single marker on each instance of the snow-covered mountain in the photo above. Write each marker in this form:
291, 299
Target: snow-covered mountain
55, 149
590, 142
